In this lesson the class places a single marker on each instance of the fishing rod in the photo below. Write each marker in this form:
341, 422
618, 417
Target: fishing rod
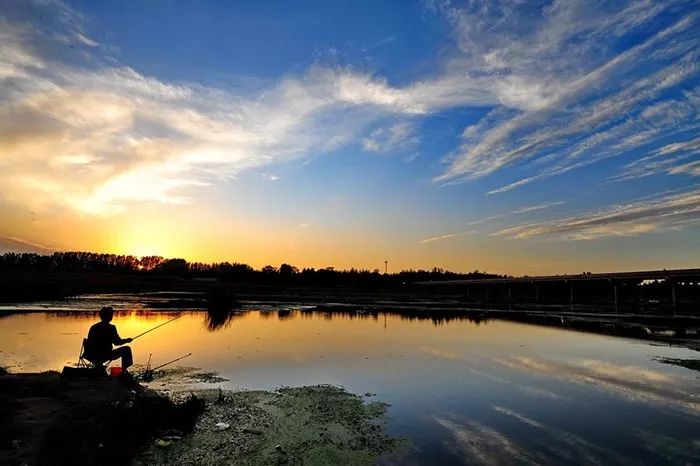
148, 373
157, 326
170, 362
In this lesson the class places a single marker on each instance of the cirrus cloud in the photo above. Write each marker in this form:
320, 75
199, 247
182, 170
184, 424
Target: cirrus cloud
79, 130
659, 213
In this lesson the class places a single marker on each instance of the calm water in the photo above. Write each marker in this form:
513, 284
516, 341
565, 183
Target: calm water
464, 392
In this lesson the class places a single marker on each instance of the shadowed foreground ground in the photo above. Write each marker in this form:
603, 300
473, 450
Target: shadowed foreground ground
48, 420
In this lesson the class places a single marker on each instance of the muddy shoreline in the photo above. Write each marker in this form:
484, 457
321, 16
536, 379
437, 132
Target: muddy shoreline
49, 420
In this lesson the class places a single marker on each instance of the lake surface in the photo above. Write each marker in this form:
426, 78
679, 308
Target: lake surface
463, 391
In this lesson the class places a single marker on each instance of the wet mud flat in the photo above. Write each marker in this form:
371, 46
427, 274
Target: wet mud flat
313, 425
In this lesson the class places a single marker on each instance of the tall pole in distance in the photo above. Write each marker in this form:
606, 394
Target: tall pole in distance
386, 267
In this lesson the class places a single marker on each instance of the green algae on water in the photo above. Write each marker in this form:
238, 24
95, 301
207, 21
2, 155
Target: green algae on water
313, 425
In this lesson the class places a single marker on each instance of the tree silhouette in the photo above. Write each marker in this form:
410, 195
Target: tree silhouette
287, 274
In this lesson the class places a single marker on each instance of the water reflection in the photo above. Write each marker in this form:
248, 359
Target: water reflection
141, 315
222, 318
664, 446
481, 444
219, 320
634, 383
437, 318
520, 417
464, 389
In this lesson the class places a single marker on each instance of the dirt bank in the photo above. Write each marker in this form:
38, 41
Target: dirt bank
49, 420
316, 425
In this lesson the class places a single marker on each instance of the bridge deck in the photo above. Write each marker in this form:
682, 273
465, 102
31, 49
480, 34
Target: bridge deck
676, 275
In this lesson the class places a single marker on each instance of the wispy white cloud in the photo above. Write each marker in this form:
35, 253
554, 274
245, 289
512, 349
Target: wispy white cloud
667, 211
87, 133
140, 139
411, 157
586, 105
136, 138
691, 168
519, 211
16, 244
437, 238
532, 208
666, 159
447, 236
656, 121
400, 135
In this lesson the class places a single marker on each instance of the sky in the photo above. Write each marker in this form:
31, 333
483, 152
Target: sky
513, 137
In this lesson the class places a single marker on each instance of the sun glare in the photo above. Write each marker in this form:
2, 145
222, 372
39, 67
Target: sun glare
145, 241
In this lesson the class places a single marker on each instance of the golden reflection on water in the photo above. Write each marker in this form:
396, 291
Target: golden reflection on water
42, 341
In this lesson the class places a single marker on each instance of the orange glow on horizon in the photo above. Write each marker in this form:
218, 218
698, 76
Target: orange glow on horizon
199, 236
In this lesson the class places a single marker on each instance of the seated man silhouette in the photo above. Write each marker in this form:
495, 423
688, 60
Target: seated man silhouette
101, 337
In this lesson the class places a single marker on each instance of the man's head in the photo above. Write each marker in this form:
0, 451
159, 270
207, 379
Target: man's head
106, 314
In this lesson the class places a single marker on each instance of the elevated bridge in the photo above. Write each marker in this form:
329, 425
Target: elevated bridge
671, 277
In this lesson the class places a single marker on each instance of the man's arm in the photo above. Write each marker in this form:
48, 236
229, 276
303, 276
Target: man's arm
117, 340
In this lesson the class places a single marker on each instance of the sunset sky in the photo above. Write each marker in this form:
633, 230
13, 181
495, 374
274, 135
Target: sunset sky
507, 136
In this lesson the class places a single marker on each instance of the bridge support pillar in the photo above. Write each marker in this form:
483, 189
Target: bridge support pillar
673, 295
509, 294
537, 293
571, 293
615, 294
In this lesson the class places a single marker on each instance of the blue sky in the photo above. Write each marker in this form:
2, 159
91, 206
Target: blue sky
521, 137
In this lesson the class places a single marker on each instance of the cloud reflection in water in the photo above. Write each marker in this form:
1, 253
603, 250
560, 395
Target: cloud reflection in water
634, 383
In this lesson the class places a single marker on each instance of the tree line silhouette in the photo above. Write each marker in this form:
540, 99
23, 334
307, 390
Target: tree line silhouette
77, 262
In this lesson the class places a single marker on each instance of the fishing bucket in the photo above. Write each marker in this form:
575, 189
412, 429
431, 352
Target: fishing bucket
115, 371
